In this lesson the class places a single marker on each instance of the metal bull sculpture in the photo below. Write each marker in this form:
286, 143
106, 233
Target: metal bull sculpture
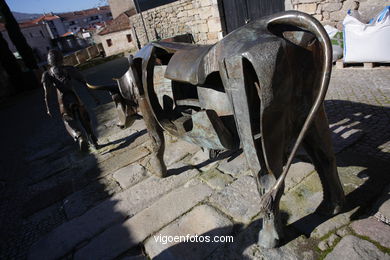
260, 88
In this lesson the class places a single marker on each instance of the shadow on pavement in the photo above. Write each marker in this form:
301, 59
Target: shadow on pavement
44, 179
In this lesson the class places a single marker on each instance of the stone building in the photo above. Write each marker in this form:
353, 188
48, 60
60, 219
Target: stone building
116, 36
333, 12
53, 23
120, 6
208, 20
75, 21
37, 36
200, 18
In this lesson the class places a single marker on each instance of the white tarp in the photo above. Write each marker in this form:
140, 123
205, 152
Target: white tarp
336, 38
367, 42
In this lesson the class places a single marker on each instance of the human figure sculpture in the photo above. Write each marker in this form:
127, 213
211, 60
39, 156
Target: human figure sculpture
260, 88
73, 112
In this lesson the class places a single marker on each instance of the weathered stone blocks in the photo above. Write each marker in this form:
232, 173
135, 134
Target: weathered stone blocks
239, 200
308, 8
354, 248
202, 220
123, 236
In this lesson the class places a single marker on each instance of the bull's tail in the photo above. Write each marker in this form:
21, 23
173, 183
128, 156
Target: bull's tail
308, 23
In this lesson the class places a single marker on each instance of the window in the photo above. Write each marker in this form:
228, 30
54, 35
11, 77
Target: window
109, 42
128, 37
92, 18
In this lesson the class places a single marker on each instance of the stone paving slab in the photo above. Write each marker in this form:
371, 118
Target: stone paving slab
202, 161
308, 194
178, 150
382, 208
202, 220
216, 179
245, 247
297, 173
297, 249
235, 166
353, 248
123, 236
303, 199
358, 111
63, 239
239, 200
44, 152
121, 160
374, 229
323, 227
48, 168
130, 175
79, 202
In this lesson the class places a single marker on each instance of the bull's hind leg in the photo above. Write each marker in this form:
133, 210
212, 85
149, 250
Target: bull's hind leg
271, 232
318, 144
274, 136
157, 137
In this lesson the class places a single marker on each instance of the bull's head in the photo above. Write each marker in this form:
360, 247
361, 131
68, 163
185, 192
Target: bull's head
124, 94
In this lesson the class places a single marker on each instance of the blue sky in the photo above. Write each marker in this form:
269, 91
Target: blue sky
41, 6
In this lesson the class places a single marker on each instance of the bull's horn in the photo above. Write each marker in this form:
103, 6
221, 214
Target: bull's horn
113, 87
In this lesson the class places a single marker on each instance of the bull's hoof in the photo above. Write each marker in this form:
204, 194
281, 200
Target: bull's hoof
268, 239
158, 167
271, 232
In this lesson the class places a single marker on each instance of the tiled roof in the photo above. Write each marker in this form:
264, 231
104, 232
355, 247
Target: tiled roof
28, 24
87, 12
21, 25
122, 22
67, 34
46, 17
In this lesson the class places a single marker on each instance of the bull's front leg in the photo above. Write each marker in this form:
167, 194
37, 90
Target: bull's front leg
157, 137
274, 128
120, 108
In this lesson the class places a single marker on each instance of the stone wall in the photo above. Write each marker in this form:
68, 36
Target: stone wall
333, 12
200, 18
82, 56
119, 6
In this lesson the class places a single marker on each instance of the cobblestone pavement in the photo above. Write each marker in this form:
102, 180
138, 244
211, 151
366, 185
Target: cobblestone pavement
58, 203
